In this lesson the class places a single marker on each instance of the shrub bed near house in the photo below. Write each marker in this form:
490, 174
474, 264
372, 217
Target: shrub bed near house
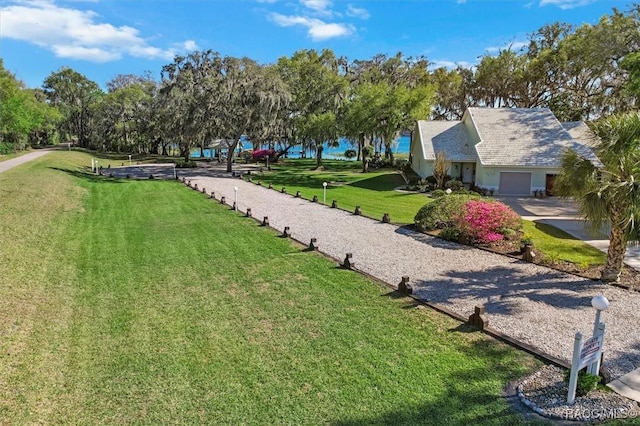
469, 216
440, 212
484, 221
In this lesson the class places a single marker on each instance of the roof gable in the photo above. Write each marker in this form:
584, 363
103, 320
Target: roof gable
448, 136
526, 137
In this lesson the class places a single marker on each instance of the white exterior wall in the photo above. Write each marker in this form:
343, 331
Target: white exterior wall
422, 167
455, 171
489, 177
471, 130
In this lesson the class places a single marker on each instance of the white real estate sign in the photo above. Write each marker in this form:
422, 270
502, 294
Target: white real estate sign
590, 351
585, 353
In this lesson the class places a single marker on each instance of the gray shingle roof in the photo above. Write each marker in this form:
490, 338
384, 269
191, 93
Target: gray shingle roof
581, 132
525, 137
448, 136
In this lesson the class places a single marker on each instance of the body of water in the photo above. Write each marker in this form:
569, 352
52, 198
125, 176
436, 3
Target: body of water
400, 146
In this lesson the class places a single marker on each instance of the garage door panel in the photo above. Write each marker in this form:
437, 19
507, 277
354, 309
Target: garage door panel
515, 183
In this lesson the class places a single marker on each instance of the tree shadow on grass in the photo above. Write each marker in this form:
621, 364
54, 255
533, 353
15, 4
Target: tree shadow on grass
408, 302
88, 176
309, 164
386, 182
466, 399
552, 231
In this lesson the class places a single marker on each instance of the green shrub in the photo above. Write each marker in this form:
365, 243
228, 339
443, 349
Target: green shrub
438, 193
439, 213
403, 164
586, 382
451, 234
350, 153
186, 164
5, 148
454, 185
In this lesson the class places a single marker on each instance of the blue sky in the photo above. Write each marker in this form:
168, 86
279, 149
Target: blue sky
104, 38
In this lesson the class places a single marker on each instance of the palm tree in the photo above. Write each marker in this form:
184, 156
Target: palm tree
608, 193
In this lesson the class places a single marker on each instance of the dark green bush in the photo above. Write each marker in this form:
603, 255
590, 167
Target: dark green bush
186, 164
439, 213
586, 382
350, 153
451, 234
455, 185
5, 148
437, 193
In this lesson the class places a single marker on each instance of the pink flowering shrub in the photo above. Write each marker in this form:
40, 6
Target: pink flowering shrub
486, 221
262, 154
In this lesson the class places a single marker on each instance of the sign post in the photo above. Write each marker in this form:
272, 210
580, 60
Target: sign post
585, 354
594, 367
573, 378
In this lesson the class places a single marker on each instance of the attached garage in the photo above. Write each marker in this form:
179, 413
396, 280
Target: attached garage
515, 183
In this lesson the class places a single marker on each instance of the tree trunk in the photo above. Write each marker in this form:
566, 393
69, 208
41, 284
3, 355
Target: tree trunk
615, 253
231, 153
283, 152
319, 149
365, 161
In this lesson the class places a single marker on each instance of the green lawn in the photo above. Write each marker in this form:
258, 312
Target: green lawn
142, 302
558, 245
373, 191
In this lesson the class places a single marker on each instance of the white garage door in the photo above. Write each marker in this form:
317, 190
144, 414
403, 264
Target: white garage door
515, 183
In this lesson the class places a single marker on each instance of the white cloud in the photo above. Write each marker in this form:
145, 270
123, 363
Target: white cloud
316, 28
317, 5
566, 4
189, 45
92, 54
357, 12
76, 34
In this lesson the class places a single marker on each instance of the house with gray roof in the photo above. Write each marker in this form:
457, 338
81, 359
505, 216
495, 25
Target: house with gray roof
514, 151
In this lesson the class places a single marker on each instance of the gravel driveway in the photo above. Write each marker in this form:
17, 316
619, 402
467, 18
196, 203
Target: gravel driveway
534, 304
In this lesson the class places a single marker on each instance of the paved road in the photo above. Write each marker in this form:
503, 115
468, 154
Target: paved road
10, 164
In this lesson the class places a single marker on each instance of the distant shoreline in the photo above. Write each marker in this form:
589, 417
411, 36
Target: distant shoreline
329, 153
